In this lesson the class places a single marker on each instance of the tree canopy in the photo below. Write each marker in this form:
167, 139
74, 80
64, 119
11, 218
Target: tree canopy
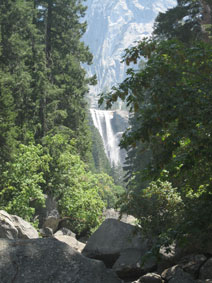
45, 139
169, 141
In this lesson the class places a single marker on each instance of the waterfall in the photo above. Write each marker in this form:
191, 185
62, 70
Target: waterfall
102, 120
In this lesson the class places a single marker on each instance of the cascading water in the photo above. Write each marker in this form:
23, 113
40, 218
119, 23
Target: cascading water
103, 120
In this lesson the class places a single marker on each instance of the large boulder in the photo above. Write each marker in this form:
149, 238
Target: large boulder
13, 227
111, 239
50, 261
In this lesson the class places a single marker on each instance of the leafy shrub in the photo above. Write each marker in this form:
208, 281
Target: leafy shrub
158, 208
23, 181
74, 187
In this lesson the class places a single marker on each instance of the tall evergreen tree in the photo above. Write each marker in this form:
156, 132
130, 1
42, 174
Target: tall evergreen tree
64, 104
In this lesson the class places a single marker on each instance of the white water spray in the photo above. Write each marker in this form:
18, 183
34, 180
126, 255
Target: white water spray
102, 120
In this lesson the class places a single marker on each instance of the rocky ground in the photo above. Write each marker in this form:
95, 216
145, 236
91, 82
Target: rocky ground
112, 254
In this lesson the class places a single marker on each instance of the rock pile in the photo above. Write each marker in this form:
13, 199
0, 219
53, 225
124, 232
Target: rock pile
113, 254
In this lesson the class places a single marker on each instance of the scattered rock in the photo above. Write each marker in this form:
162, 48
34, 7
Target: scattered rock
114, 214
13, 227
50, 261
175, 274
206, 270
112, 238
150, 278
46, 232
192, 263
66, 232
71, 241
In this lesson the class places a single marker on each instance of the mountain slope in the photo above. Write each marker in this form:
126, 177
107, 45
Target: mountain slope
114, 25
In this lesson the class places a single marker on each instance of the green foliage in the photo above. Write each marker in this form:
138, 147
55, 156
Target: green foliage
23, 181
72, 185
181, 22
158, 207
170, 100
42, 109
108, 190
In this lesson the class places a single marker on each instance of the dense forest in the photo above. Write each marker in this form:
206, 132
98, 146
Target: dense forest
46, 140
169, 142
45, 137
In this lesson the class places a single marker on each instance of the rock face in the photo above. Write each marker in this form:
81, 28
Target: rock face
13, 227
114, 26
49, 261
112, 239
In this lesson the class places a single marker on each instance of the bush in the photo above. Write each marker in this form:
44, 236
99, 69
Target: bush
22, 181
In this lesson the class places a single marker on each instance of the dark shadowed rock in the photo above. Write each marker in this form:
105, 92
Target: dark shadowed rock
175, 274
131, 265
50, 261
13, 227
112, 238
192, 263
206, 270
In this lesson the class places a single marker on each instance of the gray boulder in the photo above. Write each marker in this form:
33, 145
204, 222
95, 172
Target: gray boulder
206, 270
66, 232
71, 241
192, 263
130, 263
175, 274
50, 261
13, 227
111, 239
